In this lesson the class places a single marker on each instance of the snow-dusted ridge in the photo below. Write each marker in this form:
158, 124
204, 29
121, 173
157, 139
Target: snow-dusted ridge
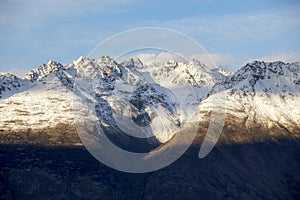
260, 92
11, 84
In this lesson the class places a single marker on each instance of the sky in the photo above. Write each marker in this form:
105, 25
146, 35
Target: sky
233, 32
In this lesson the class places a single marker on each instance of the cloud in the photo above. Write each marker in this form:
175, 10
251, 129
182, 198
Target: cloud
249, 25
242, 37
18, 72
285, 57
226, 61
215, 60
246, 34
232, 63
162, 57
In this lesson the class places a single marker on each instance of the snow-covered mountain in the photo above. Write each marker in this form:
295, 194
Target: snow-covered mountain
259, 94
130, 91
259, 143
261, 99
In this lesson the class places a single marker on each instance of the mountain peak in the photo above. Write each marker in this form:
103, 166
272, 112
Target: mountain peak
43, 70
81, 59
106, 60
133, 62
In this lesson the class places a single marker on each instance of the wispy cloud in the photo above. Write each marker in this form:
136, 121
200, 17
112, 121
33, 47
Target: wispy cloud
241, 31
18, 72
285, 57
233, 63
225, 61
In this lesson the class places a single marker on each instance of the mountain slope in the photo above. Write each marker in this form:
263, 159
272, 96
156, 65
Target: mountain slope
261, 99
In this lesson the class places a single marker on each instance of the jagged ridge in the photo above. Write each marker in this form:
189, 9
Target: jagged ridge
271, 87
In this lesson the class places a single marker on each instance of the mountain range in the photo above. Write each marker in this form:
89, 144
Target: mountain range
255, 156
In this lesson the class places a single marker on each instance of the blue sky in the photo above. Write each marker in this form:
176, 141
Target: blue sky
232, 31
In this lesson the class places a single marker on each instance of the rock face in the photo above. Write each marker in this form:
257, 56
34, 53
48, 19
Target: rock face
256, 157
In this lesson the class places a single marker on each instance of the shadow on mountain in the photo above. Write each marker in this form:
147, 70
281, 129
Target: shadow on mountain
109, 124
121, 138
261, 170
